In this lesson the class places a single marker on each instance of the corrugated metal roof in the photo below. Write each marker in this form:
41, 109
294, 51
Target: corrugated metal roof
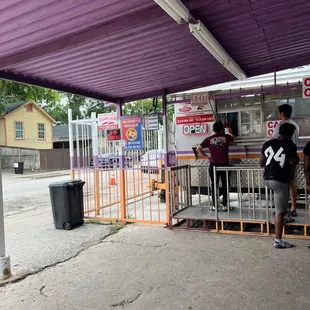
115, 49
61, 133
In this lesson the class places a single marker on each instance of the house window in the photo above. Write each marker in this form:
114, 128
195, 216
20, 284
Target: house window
19, 130
29, 108
41, 131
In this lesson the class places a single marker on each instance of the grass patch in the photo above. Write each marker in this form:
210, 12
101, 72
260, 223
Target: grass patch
95, 222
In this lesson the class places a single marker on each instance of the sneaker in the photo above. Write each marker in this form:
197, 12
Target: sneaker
212, 208
293, 213
283, 245
225, 208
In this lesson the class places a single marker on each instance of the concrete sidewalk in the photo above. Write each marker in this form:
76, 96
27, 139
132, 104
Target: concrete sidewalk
36, 175
143, 267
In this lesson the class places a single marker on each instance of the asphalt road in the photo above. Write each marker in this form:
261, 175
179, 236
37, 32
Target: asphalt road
22, 194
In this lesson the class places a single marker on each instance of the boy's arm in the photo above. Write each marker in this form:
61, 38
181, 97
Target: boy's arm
262, 158
200, 152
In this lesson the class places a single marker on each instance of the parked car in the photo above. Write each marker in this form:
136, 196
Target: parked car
151, 160
111, 160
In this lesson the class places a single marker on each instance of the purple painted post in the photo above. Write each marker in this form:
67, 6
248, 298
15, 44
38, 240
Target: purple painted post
165, 129
119, 112
95, 144
77, 146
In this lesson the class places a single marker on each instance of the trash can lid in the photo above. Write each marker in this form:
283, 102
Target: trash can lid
65, 183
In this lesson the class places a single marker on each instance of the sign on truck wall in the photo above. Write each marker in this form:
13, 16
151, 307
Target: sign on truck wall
271, 125
193, 122
200, 99
195, 129
306, 87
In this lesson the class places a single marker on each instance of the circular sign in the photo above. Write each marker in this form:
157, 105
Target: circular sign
131, 134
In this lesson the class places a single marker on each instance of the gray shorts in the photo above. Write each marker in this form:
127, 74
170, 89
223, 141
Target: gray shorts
281, 194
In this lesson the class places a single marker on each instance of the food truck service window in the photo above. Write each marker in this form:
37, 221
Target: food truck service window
243, 115
300, 114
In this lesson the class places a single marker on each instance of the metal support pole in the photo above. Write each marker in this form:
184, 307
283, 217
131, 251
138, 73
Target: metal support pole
71, 148
122, 173
78, 159
165, 129
5, 263
95, 148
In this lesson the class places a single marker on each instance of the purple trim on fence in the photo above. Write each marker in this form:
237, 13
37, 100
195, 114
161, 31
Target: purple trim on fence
71, 162
172, 159
121, 161
166, 160
95, 161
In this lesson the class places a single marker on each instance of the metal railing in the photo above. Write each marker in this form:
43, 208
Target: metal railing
248, 197
179, 188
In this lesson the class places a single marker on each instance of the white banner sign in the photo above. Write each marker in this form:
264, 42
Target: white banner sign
151, 122
107, 121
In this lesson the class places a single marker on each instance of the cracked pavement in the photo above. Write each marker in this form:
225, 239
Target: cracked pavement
149, 267
31, 239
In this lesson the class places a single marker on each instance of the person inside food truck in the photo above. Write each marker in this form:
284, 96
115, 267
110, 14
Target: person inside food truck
218, 145
285, 113
280, 158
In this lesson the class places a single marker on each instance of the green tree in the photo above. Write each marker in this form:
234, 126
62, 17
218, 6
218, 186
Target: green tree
147, 106
15, 92
57, 104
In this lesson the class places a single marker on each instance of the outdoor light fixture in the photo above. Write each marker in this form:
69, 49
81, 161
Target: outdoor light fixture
175, 8
203, 35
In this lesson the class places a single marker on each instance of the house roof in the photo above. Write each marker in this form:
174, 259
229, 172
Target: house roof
12, 107
61, 133
118, 50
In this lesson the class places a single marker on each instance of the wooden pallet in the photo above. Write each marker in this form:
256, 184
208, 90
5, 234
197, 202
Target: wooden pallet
240, 227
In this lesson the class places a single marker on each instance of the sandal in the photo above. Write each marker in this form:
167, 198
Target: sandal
284, 245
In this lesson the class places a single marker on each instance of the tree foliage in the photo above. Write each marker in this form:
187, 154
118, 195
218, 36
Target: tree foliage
15, 92
147, 106
57, 104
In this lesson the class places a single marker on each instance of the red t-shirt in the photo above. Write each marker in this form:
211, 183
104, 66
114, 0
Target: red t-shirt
218, 145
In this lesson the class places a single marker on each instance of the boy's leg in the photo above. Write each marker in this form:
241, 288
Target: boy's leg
225, 188
293, 192
211, 171
281, 196
212, 182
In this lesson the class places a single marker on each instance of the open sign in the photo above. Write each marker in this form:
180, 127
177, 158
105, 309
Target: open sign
195, 129
271, 125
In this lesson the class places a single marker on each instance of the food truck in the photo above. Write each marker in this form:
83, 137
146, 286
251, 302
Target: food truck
251, 113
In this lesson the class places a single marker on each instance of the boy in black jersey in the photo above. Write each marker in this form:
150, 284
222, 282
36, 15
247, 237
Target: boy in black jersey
279, 157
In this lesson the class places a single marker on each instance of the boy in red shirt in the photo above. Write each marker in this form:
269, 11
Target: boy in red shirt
218, 145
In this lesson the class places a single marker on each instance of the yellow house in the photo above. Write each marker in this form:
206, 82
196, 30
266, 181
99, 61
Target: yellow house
26, 125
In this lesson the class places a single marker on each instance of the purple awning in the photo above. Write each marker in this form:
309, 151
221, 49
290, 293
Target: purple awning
126, 50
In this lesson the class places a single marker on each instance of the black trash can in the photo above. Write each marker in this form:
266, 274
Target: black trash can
67, 204
19, 167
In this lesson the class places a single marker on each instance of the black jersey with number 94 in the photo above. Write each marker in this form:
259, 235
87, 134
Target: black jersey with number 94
278, 156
